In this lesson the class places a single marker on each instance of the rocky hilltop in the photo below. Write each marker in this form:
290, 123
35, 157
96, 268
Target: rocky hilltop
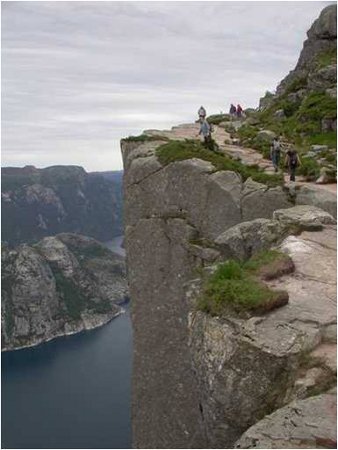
303, 111
59, 286
43, 202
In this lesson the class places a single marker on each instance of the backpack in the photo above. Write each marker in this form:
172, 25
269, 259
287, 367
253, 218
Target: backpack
293, 159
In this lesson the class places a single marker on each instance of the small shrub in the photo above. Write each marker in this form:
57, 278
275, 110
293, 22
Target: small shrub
145, 138
309, 168
236, 288
216, 119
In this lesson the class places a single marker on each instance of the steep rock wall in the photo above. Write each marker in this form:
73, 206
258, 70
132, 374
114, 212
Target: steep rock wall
166, 210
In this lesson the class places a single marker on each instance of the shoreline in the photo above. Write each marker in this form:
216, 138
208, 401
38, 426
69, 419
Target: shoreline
85, 327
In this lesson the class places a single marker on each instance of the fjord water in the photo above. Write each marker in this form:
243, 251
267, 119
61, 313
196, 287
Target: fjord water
72, 392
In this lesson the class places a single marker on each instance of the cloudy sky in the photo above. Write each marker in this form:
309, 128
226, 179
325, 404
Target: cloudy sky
79, 76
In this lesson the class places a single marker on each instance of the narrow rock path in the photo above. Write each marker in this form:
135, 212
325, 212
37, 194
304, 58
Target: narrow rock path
246, 155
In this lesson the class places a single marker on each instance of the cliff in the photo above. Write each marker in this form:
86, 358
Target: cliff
232, 272
199, 380
43, 202
59, 286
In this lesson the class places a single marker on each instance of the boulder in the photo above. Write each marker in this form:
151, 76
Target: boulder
327, 175
329, 124
259, 201
319, 148
324, 78
310, 195
310, 154
247, 238
266, 135
309, 423
306, 216
279, 114
332, 92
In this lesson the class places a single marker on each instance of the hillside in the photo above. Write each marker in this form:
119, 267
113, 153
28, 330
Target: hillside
303, 111
43, 202
58, 286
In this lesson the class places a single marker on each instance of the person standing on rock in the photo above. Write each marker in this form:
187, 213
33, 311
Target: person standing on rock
202, 113
292, 161
232, 110
205, 134
275, 153
239, 111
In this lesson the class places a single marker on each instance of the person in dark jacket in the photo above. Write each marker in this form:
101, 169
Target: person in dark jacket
292, 161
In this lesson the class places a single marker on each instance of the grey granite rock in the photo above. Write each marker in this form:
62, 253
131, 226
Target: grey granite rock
309, 423
326, 200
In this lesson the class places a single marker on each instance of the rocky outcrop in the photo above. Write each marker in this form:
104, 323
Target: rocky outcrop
308, 423
200, 381
320, 44
43, 202
61, 285
248, 368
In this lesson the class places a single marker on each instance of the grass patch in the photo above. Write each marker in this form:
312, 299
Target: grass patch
329, 139
145, 138
188, 149
326, 58
237, 288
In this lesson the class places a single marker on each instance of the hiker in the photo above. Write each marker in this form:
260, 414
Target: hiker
202, 113
239, 111
275, 152
232, 110
205, 134
292, 161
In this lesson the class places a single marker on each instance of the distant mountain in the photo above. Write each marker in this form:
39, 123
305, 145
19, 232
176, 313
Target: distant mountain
43, 202
61, 285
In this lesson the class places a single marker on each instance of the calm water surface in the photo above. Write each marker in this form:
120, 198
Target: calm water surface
73, 392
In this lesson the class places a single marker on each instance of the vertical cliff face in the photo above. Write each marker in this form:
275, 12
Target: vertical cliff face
166, 210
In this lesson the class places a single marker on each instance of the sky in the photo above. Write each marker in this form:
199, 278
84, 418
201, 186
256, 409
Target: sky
79, 76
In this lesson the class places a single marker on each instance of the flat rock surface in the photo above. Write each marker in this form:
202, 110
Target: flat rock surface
309, 423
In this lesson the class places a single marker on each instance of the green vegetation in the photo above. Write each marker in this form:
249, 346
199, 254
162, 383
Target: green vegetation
188, 149
264, 258
326, 58
74, 300
317, 106
216, 119
145, 138
236, 288
296, 84
329, 139
309, 168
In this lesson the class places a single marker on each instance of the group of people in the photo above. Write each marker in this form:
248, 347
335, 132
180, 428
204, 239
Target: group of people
236, 111
292, 160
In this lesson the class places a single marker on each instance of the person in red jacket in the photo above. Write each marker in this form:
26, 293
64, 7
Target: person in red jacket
239, 111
